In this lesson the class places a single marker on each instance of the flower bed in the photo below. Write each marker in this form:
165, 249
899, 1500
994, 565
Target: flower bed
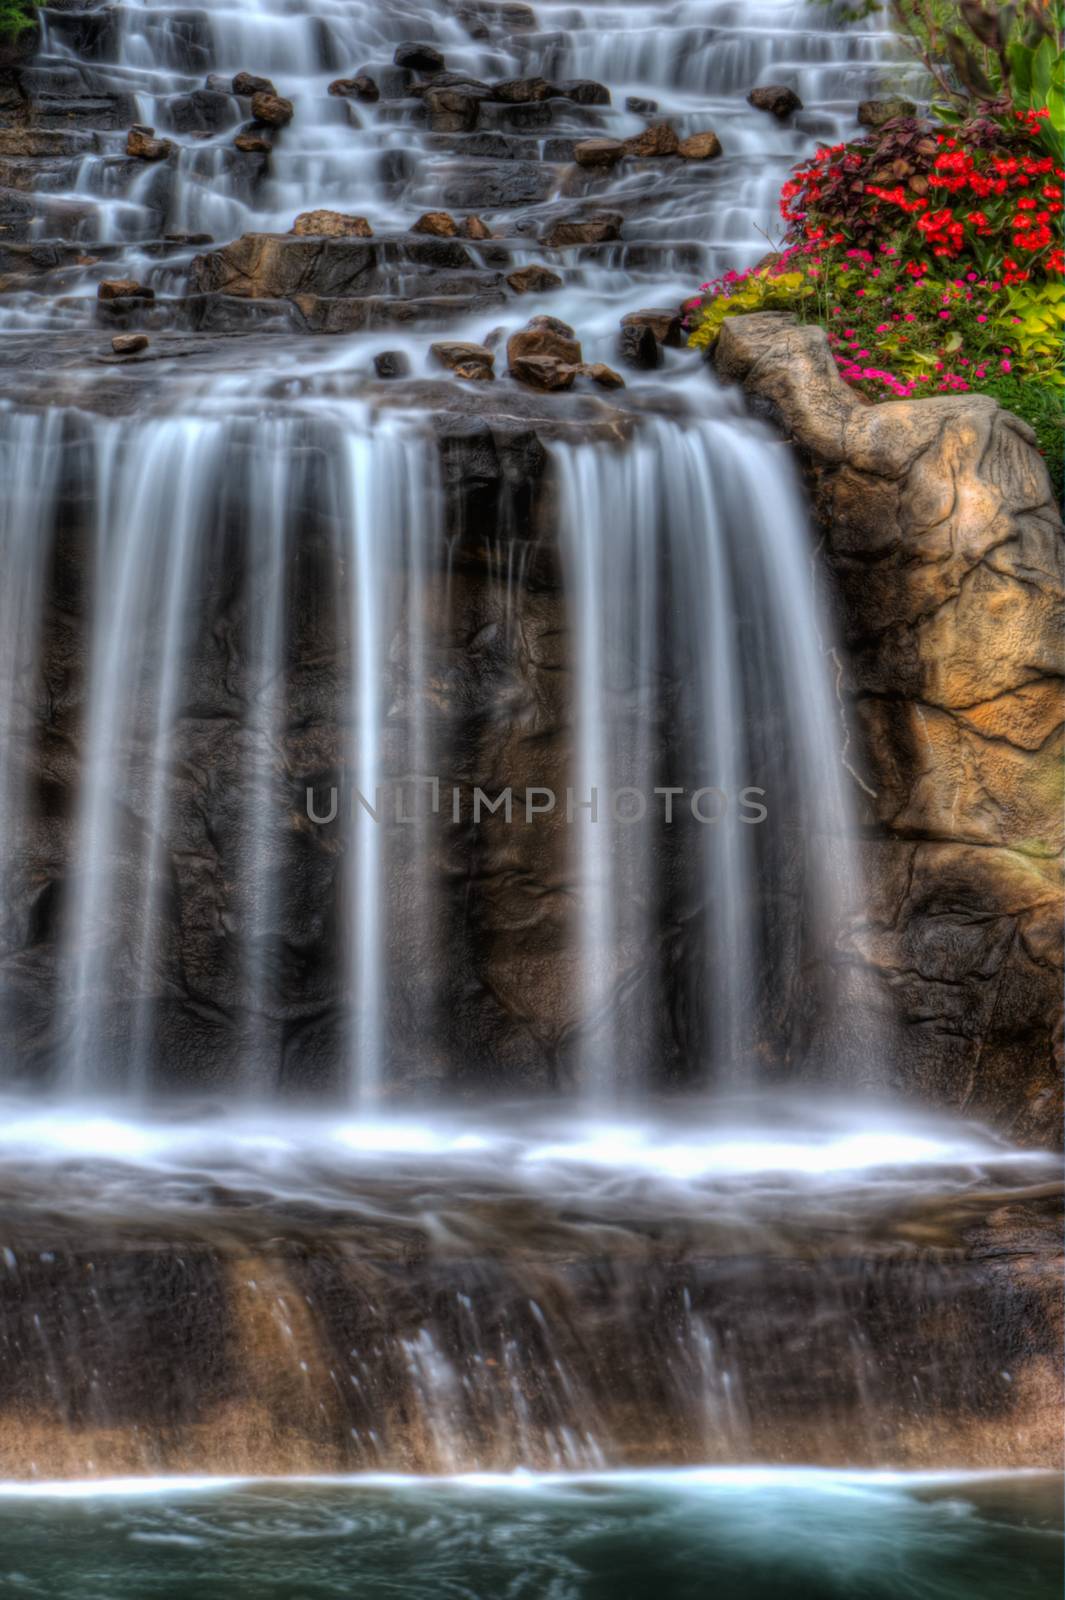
933, 258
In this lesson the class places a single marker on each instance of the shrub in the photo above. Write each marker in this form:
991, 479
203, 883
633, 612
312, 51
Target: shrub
16, 16
933, 260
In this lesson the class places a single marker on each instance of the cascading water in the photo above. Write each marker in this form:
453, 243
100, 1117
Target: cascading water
378, 740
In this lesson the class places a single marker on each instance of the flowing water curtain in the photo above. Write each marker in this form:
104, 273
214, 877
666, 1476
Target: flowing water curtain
389, 522
687, 562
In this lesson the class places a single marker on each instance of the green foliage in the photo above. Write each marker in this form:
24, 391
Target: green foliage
1037, 319
16, 16
1042, 406
995, 60
760, 291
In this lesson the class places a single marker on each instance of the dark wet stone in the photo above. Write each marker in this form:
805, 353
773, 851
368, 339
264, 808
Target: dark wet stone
419, 58
392, 364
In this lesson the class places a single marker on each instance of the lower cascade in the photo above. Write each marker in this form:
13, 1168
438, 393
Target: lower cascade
462, 1032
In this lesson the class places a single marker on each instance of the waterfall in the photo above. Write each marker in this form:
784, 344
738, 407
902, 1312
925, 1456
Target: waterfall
693, 609
282, 584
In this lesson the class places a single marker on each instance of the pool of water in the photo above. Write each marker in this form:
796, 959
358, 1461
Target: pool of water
755, 1533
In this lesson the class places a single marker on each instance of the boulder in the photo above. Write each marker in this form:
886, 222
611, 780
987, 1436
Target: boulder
266, 266
775, 98
664, 322
440, 224
601, 228
142, 144
534, 280
123, 289
361, 87
392, 364
474, 228
253, 144
543, 372
598, 152
129, 344
638, 347
601, 374
247, 84
584, 92
545, 336
471, 361
699, 146
522, 91
330, 225
272, 109
874, 113
943, 542
658, 140
453, 110
419, 58
641, 107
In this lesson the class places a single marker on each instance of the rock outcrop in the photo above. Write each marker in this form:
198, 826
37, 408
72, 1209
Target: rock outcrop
945, 550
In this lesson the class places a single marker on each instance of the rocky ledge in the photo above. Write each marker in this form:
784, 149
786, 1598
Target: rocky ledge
944, 547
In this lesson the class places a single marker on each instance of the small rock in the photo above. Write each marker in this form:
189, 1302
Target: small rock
247, 84
639, 347
452, 110
534, 280
129, 344
419, 58
602, 228
140, 142
601, 374
584, 92
699, 146
473, 361
217, 83
642, 108
545, 336
330, 225
874, 113
361, 87
665, 324
598, 152
474, 228
543, 372
657, 140
521, 91
253, 144
123, 289
776, 99
273, 109
392, 364
440, 224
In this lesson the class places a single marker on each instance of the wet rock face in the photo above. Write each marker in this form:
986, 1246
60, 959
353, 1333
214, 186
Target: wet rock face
946, 552
371, 1348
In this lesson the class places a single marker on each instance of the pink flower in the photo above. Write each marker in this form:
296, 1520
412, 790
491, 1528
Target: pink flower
1007, 366
981, 318
945, 315
883, 327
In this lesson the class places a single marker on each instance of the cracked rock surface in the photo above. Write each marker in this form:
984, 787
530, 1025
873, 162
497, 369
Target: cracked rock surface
944, 550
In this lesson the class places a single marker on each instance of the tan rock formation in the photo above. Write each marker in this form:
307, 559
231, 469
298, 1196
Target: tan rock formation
331, 225
946, 550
